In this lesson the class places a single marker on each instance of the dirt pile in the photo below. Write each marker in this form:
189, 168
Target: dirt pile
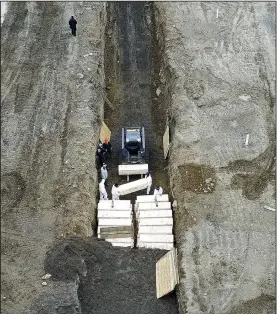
218, 83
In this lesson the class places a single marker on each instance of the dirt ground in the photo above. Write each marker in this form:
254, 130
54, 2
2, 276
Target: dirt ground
51, 109
215, 71
221, 65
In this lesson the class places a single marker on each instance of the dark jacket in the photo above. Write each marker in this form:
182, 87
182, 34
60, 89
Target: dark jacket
72, 23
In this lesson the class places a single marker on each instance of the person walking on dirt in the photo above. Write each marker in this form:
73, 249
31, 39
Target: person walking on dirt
115, 192
102, 190
149, 182
104, 173
100, 156
158, 191
72, 24
108, 147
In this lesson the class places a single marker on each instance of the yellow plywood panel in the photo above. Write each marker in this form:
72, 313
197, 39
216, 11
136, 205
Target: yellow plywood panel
166, 142
166, 273
105, 133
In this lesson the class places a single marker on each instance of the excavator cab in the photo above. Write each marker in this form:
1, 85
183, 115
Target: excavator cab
133, 145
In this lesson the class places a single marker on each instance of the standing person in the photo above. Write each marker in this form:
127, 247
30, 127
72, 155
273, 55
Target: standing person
104, 173
158, 191
149, 182
115, 192
108, 147
100, 157
102, 190
72, 24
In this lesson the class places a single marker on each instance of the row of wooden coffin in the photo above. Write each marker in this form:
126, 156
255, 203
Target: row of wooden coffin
155, 222
115, 223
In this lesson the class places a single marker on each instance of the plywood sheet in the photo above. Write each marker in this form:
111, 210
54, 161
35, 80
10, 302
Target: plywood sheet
155, 229
166, 142
105, 133
154, 245
166, 273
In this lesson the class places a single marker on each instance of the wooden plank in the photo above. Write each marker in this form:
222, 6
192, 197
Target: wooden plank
162, 246
164, 238
123, 244
120, 229
166, 142
133, 186
150, 198
115, 222
151, 206
114, 214
121, 240
156, 222
155, 213
105, 133
124, 170
115, 235
155, 229
166, 273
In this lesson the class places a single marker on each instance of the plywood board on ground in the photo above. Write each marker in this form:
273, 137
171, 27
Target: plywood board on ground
166, 273
115, 222
105, 133
166, 142
156, 222
133, 186
164, 238
124, 170
155, 213
153, 245
151, 206
155, 229
150, 198
115, 230
114, 214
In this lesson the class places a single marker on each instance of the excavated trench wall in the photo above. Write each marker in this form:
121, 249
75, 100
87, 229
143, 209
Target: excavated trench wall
52, 105
218, 62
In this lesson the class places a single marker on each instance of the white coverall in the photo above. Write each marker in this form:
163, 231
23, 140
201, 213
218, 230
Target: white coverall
149, 183
104, 173
102, 190
158, 192
115, 193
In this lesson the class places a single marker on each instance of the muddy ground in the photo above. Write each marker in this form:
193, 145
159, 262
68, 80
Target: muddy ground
221, 65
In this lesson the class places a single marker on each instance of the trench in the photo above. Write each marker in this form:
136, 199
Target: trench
123, 279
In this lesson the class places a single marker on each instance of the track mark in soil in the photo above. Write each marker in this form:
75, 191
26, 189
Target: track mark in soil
12, 190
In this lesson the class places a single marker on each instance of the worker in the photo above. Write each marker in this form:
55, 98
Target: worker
104, 173
72, 24
149, 182
108, 147
102, 190
158, 191
115, 192
100, 156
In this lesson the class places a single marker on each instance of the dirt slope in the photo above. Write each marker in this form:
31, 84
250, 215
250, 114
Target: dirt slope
223, 87
51, 108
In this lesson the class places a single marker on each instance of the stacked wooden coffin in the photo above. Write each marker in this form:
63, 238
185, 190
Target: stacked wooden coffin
115, 222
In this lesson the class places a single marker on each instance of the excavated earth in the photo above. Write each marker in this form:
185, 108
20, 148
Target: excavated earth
206, 68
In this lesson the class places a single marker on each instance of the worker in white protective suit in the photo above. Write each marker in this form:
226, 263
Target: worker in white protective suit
115, 192
102, 190
149, 182
104, 173
158, 191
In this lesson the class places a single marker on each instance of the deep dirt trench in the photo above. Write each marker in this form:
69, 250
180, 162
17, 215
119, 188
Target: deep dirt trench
122, 279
